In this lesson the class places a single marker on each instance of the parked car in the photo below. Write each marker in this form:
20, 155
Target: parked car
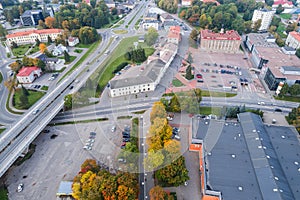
122, 160
278, 110
126, 139
198, 75
20, 187
113, 128
93, 133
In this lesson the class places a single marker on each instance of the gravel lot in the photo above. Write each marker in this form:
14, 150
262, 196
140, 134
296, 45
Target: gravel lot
60, 159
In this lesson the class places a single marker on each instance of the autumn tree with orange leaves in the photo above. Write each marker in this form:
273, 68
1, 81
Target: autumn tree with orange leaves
50, 22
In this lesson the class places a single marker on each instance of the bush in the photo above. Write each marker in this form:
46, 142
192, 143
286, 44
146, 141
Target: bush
120, 67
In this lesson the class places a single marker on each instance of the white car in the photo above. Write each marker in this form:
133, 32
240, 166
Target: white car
20, 187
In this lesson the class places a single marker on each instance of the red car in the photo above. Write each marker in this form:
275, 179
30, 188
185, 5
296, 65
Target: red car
198, 75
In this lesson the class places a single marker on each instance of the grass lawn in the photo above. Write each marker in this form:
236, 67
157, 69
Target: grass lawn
285, 15
33, 97
206, 93
89, 51
3, 193
105, 74
2, 130
21, 50
34, 50
44, 88
72, 58
288, 98
211, 110
78, 50
83, 45
120, 31
177, 83
1, 77
281, 29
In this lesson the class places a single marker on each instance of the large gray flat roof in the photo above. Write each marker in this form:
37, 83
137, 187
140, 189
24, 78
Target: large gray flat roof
250, 160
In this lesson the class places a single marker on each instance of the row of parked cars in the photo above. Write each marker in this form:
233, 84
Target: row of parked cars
90, 142
126, 136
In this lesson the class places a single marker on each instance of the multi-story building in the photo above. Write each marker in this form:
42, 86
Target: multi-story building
29, 37
284, 3
228, 42
151, 23
174, 35
31, 17
293, 40
28, 74
265, 16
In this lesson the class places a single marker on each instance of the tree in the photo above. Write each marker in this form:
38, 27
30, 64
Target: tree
67, 57
158, 111
295, 89
42, 24
291, 27
50, 22
43, 47
172, 150
151, 36
154, 159
298, 53
24, 91
194, 34
269, 2
279, 9
257, 25
14, 45
189, 74
68, 101
88, 35
198, 94
16, 66
174, 104
10, 84
284, 90
157, 193
3, 31
49, 40
174, 174
24, 103
37, 42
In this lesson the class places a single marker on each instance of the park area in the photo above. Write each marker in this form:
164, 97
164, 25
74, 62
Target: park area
21, 102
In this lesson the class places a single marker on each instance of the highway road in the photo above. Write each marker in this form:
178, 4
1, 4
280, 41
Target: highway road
16, 139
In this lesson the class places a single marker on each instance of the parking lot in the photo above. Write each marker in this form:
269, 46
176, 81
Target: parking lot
59, 155
220, 70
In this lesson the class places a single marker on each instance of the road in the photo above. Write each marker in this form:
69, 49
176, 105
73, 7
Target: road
6, 117
16, 139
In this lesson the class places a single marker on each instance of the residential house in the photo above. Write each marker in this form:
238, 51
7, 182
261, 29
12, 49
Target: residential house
284, 3
72, 41
47, 60
150, 23
166, 17
59, 50
293, 40
28, 74
174, 35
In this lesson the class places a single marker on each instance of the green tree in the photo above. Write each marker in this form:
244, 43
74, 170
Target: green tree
284, 90
291, 27
37, 42
3, 31
295, 89
158, 111
49, 40
151, 36
174, 174
257, 25
67, 57
298, 53
154, 159
14, 45
189, 74
25, 91
88, 35
203, 21
68, 101
24, 103
174, 104
269, 2
279, 9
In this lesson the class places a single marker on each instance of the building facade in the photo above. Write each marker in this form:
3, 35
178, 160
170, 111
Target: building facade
29, 37
151, 23
186, 2
228, 42
28, 74
265, 16
293, 40
31, 17
174, 35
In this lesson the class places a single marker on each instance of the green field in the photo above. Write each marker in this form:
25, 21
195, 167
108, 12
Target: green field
83, 45
72, 58
288, 98
21, 50
78, 50
3, 193
34, 50
285, 15
44, 88
105, 74
211, 110
177, 83
206, 93
33, 97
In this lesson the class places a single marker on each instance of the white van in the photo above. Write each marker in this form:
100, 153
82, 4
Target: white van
177, 137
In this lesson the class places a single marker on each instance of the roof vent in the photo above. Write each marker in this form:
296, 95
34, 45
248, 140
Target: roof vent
276, 178
233, 156
240, 188
280, 190
253, 130
275, 190
226, 124
259, 147
272, 167
257, 138
268, 156
209, 153
283, 137
296, 163
298, 169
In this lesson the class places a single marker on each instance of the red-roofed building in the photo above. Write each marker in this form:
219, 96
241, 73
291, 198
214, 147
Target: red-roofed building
293, 40
29, 37
284, 3
28, 74
174, 34
228, 42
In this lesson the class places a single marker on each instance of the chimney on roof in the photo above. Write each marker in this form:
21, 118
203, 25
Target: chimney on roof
222, 30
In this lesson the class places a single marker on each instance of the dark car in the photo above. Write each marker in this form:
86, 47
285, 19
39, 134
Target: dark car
46, 131
71, 87
198, 75
126, 139
278, 110
92, 133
